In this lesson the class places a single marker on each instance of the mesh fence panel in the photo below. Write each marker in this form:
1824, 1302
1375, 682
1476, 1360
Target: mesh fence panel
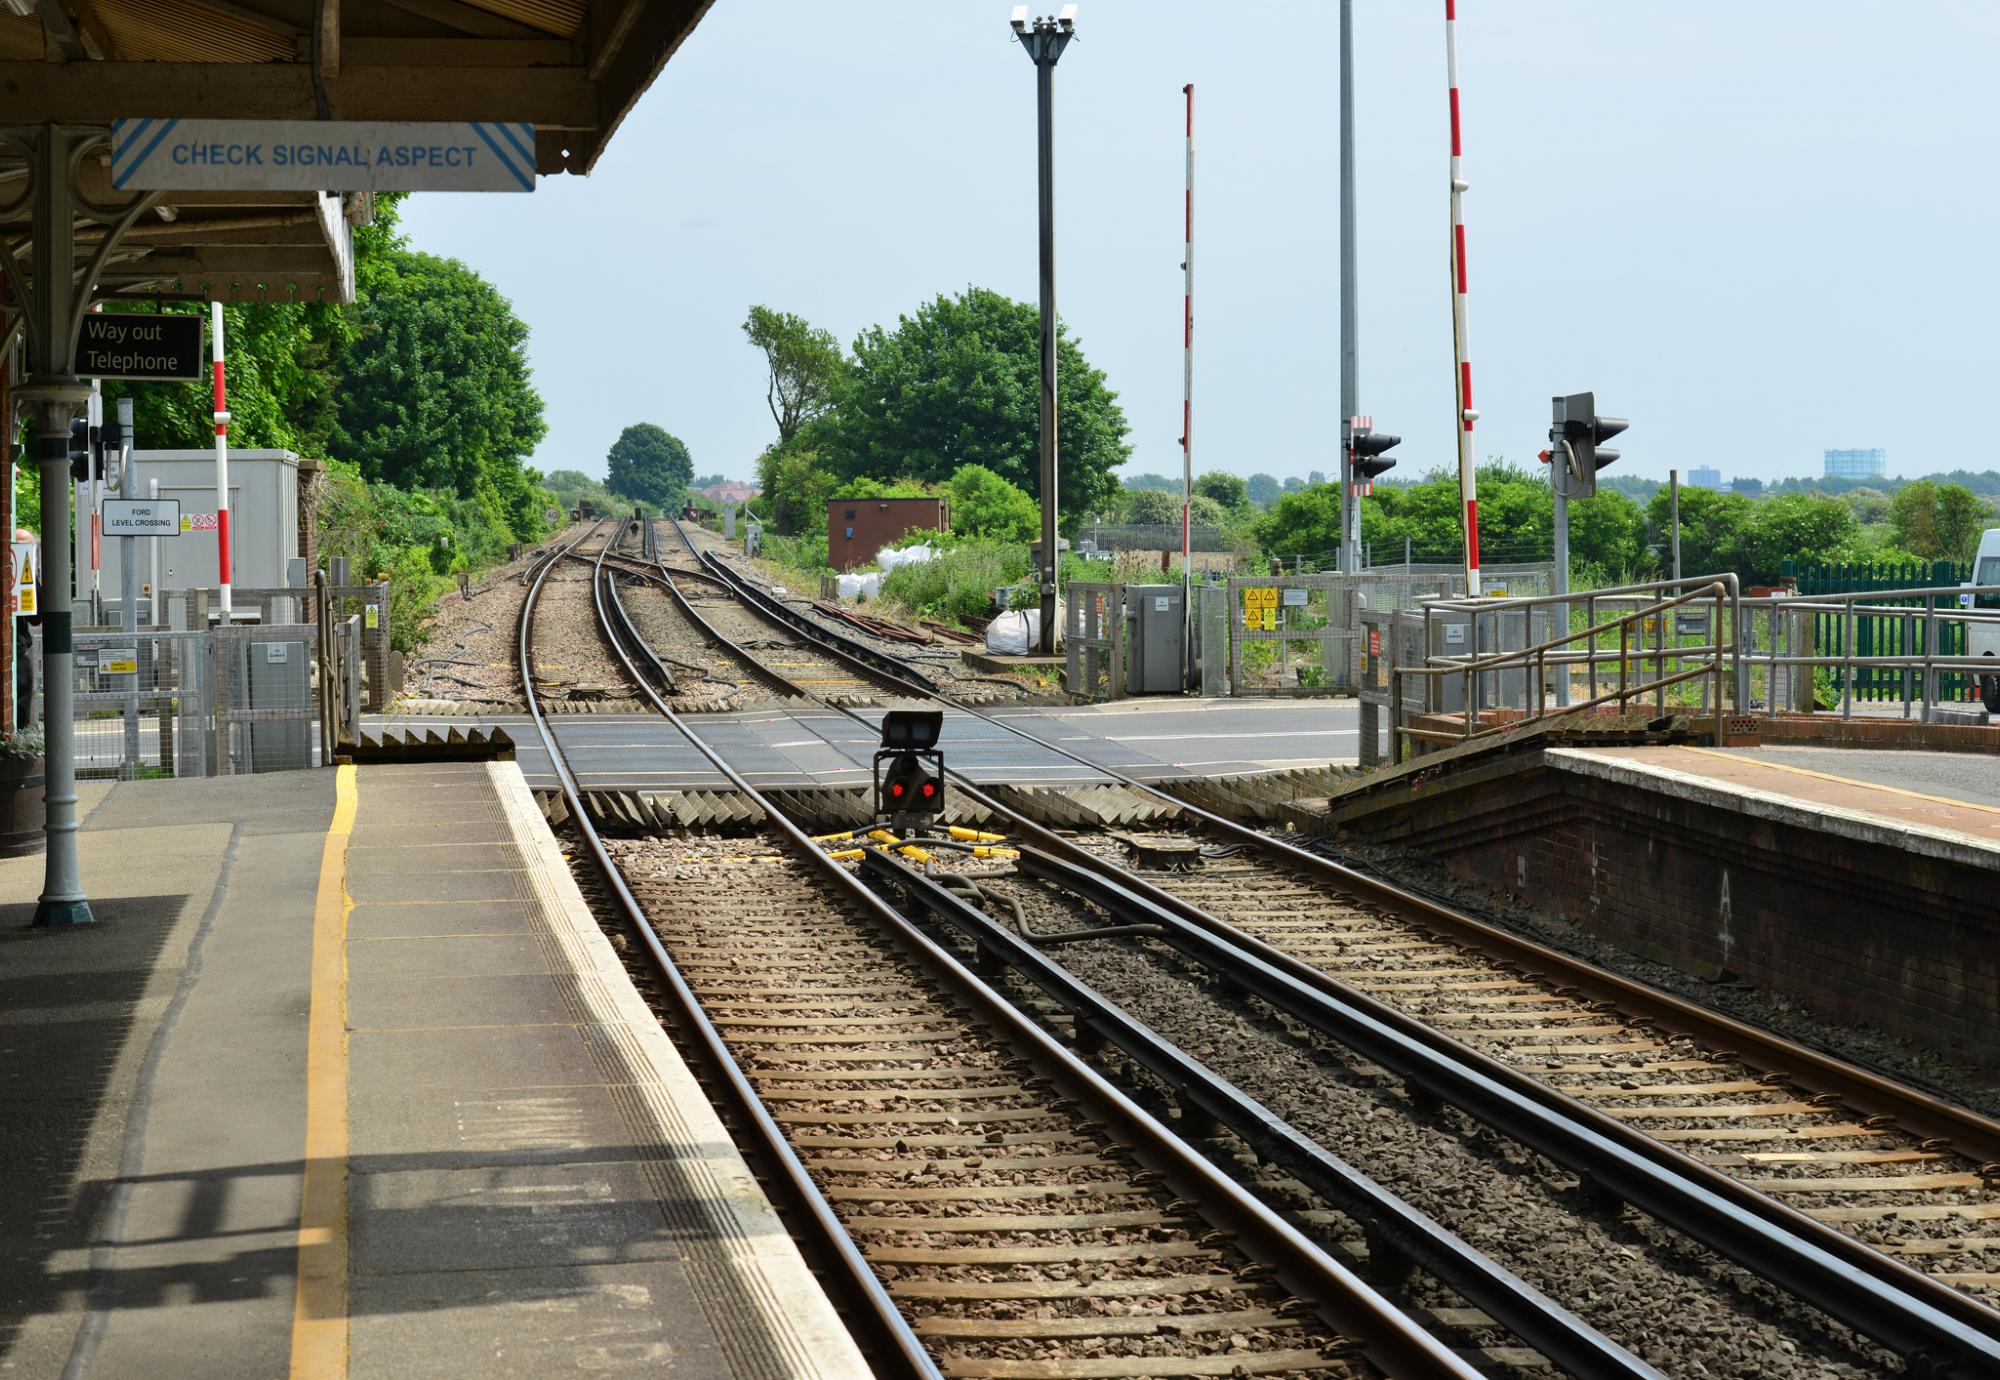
142, 704
263, 697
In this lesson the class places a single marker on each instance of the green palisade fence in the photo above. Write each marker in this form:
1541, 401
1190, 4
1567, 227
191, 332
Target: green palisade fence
1887, 634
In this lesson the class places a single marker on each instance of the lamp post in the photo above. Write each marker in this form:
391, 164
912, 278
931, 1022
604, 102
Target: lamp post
1044, 41
1350, 345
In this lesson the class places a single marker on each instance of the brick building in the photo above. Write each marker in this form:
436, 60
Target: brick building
856, 528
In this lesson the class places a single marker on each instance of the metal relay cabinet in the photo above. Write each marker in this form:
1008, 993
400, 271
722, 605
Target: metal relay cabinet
263, 520
1159, 639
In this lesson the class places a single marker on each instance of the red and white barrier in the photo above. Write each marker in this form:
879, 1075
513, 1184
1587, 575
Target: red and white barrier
221, 467
1468, 480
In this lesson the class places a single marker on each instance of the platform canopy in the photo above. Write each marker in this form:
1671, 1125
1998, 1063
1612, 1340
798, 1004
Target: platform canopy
571, 68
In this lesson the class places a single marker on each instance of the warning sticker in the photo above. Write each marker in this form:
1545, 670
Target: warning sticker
26, 601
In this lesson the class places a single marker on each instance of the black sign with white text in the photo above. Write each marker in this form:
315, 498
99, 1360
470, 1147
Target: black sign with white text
127, 345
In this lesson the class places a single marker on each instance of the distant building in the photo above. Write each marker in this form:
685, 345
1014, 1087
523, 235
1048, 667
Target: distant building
1857, 464
731, 491
856, 528
1702, 477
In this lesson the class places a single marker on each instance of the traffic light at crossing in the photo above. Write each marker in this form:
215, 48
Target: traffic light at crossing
1368, 452
1576, 441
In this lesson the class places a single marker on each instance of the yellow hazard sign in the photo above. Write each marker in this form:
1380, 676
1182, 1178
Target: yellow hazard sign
26, 604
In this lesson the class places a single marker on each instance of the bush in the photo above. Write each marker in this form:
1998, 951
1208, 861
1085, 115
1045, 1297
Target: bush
985, 505
805, 554
957, 584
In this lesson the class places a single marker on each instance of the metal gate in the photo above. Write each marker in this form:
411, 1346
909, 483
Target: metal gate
1876, 634
1094, 640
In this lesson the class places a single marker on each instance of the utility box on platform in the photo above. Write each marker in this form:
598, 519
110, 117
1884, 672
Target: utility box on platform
263, 520
1159, 639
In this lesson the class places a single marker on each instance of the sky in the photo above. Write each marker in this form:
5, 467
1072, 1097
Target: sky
1755, 230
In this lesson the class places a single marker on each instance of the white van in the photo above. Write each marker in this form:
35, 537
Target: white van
1983, 639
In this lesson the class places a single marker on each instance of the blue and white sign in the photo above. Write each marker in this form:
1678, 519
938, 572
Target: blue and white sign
322, 156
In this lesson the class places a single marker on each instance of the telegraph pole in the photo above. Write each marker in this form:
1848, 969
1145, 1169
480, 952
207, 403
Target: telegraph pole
1187, 413
1044, 43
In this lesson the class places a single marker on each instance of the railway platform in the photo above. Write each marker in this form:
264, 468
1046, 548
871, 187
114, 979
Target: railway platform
347, 1081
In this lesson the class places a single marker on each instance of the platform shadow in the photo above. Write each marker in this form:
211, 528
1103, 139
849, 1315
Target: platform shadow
70, 1021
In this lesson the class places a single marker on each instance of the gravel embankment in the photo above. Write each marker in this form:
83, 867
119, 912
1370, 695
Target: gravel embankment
467, 665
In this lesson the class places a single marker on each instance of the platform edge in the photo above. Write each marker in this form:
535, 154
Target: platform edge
792, 1305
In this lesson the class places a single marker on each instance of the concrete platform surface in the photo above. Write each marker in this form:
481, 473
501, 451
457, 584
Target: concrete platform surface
1965, 777
1934, 803
1152, 739
346, 1081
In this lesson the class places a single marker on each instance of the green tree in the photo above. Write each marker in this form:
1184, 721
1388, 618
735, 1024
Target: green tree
1230, 490
1868, 505
280, 381
1305, 522
1149, 506
1960, 517
1609, 531
1264, 489
1937, 520
650, 465
959, 383
805, 367
1516, 517
1714, 528
985, 505
796, 485
1797, 527
1204, 511
1913, 516
436, 391
1163, 483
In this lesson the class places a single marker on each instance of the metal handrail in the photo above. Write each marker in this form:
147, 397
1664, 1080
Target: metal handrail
1472, 666
1698, 583
1857, 604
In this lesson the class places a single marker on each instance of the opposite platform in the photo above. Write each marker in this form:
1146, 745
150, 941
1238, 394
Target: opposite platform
510, 1171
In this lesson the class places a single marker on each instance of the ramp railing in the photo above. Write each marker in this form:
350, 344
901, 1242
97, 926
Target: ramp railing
1647, 664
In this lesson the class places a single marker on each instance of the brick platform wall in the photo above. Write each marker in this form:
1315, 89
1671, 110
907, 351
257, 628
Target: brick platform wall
1868, 934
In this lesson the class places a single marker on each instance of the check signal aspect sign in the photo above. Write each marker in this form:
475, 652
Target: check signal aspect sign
323, 155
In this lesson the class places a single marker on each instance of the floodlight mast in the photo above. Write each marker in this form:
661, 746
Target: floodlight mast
1044, 42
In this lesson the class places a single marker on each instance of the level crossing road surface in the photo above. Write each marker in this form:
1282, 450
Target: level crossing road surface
811, 746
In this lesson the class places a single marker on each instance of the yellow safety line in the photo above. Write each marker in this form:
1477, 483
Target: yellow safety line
1846, 780
319, 1309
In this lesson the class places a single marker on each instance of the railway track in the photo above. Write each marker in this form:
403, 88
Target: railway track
1908, 1195
937, 671
1773, 1135
987, 1205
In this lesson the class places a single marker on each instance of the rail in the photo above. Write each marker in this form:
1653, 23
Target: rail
858, 1286
1904, 1309
1385, 1335
1393, 1227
